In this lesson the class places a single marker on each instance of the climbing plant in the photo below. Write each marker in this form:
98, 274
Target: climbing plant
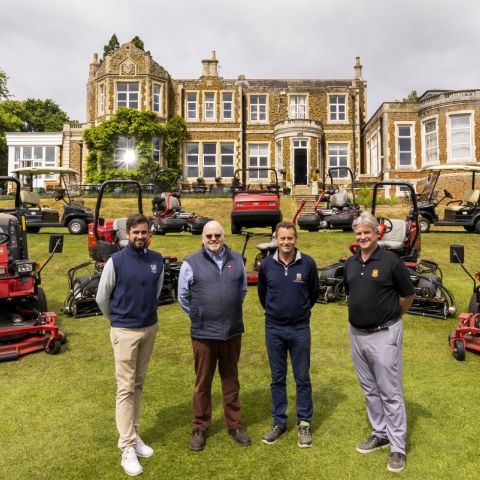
144, 126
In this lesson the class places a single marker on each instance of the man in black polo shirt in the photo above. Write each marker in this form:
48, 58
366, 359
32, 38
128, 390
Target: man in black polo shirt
380, 291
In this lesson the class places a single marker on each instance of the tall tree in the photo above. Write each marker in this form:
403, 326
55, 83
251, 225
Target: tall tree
4, 93
111, 46
138, 42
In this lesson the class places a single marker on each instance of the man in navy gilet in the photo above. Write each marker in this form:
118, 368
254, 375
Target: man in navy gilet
127, 295
211, 289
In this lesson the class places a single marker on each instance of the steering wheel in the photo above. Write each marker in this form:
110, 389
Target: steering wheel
4, 235
386, 222
447, 193
59, 197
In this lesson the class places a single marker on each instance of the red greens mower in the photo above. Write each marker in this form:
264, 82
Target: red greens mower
26, 324
105, 237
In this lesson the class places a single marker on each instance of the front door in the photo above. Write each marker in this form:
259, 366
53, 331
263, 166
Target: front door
300, 166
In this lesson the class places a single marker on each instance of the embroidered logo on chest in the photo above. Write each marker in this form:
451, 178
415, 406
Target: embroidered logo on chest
375, 273
154, 268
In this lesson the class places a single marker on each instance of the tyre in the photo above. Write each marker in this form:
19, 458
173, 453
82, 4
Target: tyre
41, 303
473, 305
469, 228
77, 226
236, 229
54, 348
33, 229
171, 225
424, 224
309, 222
154, 227
477, 226
198, 223
451, 335
459, 350
89, 286
63, 340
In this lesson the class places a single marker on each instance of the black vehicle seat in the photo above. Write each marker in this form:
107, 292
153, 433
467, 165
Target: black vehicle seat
395, 239
469, 199
120, 227
339, 200
31, 200
10, 225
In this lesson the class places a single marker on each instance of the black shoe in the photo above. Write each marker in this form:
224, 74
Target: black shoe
274, 434
372, 444
304, 435
197, 440
396, 462
241, 437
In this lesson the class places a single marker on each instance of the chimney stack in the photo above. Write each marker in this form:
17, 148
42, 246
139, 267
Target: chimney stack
358, 69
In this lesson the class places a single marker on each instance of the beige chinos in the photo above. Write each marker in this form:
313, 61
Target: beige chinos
132, 348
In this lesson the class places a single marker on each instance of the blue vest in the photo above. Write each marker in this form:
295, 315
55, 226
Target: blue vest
134, 302
216, 296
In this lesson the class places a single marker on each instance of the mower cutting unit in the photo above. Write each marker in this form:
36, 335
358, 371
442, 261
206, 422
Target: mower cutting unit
26, 325
106, 237
258, 206
168, 215
403, 238
266, 249
340, 211
467, 334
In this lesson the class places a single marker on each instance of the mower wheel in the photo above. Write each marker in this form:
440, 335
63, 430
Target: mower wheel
477, 226
459, 350
54, 348
41, 304
77, 226
451, 335
473, 305
236, 229
424, 224
154, 227
63, 340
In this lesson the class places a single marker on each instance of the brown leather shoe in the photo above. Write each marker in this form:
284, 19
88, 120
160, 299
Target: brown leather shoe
197, 440
241, 437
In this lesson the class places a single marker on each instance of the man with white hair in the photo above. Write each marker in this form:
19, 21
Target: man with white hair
211, 289
380, 291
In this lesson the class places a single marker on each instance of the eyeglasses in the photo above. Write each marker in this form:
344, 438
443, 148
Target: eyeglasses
209, 236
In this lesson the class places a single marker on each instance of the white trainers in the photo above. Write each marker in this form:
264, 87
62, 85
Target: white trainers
130, 462
141, 449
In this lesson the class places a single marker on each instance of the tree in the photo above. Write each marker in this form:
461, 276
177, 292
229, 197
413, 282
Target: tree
137, 41
4, 93
112, 45
412, 97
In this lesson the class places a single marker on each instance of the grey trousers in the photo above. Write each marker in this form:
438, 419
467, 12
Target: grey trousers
377, 358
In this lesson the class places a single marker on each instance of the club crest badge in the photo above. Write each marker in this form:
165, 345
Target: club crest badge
299, 277
154, 268
375, 273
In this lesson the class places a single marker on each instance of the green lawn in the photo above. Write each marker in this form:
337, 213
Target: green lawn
58, 411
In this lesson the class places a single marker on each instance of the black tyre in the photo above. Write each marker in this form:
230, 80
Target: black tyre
451, 335
41, 303
198, 224
309, 222
473, 305
477, 226
154, 227
469, 228
236, 229
63, 340
171, 225
54, 348
77, 226
33, 229
424, 224
459, 350
89, 286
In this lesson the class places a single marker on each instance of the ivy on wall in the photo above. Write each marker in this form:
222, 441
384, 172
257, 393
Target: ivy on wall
143, 125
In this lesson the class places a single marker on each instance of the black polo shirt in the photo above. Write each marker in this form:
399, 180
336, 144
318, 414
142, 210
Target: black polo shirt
374, 287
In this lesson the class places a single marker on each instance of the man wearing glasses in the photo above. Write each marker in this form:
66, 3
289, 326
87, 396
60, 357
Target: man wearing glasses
211, 289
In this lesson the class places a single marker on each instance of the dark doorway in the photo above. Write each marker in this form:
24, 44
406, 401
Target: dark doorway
300, 166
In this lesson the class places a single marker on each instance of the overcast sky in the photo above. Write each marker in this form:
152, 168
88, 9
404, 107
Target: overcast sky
46, 46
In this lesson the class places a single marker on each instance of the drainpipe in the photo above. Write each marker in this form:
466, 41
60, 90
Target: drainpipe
380, 150
353, 131
243, 137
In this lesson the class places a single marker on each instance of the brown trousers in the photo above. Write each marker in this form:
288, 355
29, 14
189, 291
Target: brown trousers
207, 353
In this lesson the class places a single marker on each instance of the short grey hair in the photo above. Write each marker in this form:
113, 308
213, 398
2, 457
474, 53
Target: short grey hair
367, 219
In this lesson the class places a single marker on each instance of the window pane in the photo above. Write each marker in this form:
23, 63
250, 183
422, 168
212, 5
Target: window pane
121, 87
37, 152
405, 158
27, 152
226, 148
192, 148
460, 121
227, 172
405, 144
263, 149
156, 143
50, 154
133, 87
192, 97
403, 131
227, 97
121, 142
209, 148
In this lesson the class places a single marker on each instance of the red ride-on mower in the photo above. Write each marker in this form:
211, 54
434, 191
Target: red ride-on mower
402, 237
168, 215
467, 334
106, 237
340, 212
266, 249
26, 325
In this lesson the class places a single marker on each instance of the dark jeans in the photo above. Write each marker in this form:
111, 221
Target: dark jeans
207, 353
280, 340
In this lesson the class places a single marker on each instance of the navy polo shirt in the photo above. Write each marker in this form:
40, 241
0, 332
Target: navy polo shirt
374, 287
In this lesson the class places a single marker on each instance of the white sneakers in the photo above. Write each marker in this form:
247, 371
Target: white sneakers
141, 449
130, 460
